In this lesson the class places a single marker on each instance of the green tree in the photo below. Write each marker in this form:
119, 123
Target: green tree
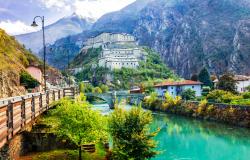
188, 94
97, 90
248, 88
204, 77
78, 123
194, 77
227, 83
28, 81
131, 136
104, 88
85, 87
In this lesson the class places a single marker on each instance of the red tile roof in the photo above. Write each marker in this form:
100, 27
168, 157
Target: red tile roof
180, 83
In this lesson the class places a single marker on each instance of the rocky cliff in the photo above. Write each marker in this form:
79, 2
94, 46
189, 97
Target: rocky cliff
188, 34
13, 59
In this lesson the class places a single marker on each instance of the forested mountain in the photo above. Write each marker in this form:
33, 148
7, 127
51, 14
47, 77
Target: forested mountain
188, 34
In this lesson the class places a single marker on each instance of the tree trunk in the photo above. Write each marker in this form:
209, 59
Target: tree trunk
80, 153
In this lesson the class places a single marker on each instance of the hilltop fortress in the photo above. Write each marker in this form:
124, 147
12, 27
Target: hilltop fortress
118, 50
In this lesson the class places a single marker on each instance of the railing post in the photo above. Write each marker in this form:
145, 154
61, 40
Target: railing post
47, 100
40, 103
23, 114
59, 94
54, 95
73, 92
33, 108
10, 119
64, 93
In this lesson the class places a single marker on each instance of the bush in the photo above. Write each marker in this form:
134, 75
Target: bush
220, 96
152, 102
85, 87
201, 110
188, 94
170, 102
97, 90
28, 81
248, 88
246, 95
205, 91
104, 88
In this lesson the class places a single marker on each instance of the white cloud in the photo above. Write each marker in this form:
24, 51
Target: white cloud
16, 27
58, 4
97, 8
87, 8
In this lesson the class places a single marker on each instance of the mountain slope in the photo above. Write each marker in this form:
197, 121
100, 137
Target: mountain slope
13, 59
64, 27
190, 34
121, 21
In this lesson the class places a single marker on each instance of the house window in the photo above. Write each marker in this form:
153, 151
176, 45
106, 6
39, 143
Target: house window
193, 87
172, 88
172, 93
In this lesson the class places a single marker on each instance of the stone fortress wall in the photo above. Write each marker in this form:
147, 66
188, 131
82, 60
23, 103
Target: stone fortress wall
118, 50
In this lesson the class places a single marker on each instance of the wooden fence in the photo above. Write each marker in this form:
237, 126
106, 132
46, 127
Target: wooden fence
16, 112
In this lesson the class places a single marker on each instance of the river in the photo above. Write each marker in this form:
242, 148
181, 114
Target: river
183, 138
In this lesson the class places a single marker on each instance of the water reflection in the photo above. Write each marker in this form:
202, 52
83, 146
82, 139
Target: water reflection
183, 138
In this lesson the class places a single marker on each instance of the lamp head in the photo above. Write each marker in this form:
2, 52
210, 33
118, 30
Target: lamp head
34, 24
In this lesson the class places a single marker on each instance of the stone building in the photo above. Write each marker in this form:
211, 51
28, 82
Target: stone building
109, 38
118, 50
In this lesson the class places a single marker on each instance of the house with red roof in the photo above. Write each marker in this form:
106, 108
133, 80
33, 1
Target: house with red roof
175, 88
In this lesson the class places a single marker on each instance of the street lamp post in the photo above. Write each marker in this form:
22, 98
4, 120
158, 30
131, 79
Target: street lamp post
34, 24
68, 69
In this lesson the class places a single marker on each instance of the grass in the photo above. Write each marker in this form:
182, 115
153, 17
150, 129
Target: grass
68, 155
13, 55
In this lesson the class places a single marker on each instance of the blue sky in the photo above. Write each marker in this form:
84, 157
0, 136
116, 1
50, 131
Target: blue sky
17, 15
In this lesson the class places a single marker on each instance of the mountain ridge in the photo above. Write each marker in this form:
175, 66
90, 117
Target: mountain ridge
188, 34
64, 27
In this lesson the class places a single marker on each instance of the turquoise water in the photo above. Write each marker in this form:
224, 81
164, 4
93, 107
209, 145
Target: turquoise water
188, 139
182, 138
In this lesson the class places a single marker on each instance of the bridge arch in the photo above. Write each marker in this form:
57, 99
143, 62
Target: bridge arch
110, 98
106, 97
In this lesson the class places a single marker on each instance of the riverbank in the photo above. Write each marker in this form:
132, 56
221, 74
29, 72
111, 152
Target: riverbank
236, 115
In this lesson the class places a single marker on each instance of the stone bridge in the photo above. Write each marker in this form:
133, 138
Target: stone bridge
112, 97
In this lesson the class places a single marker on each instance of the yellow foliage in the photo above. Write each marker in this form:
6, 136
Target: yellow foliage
170, 101
202, 107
